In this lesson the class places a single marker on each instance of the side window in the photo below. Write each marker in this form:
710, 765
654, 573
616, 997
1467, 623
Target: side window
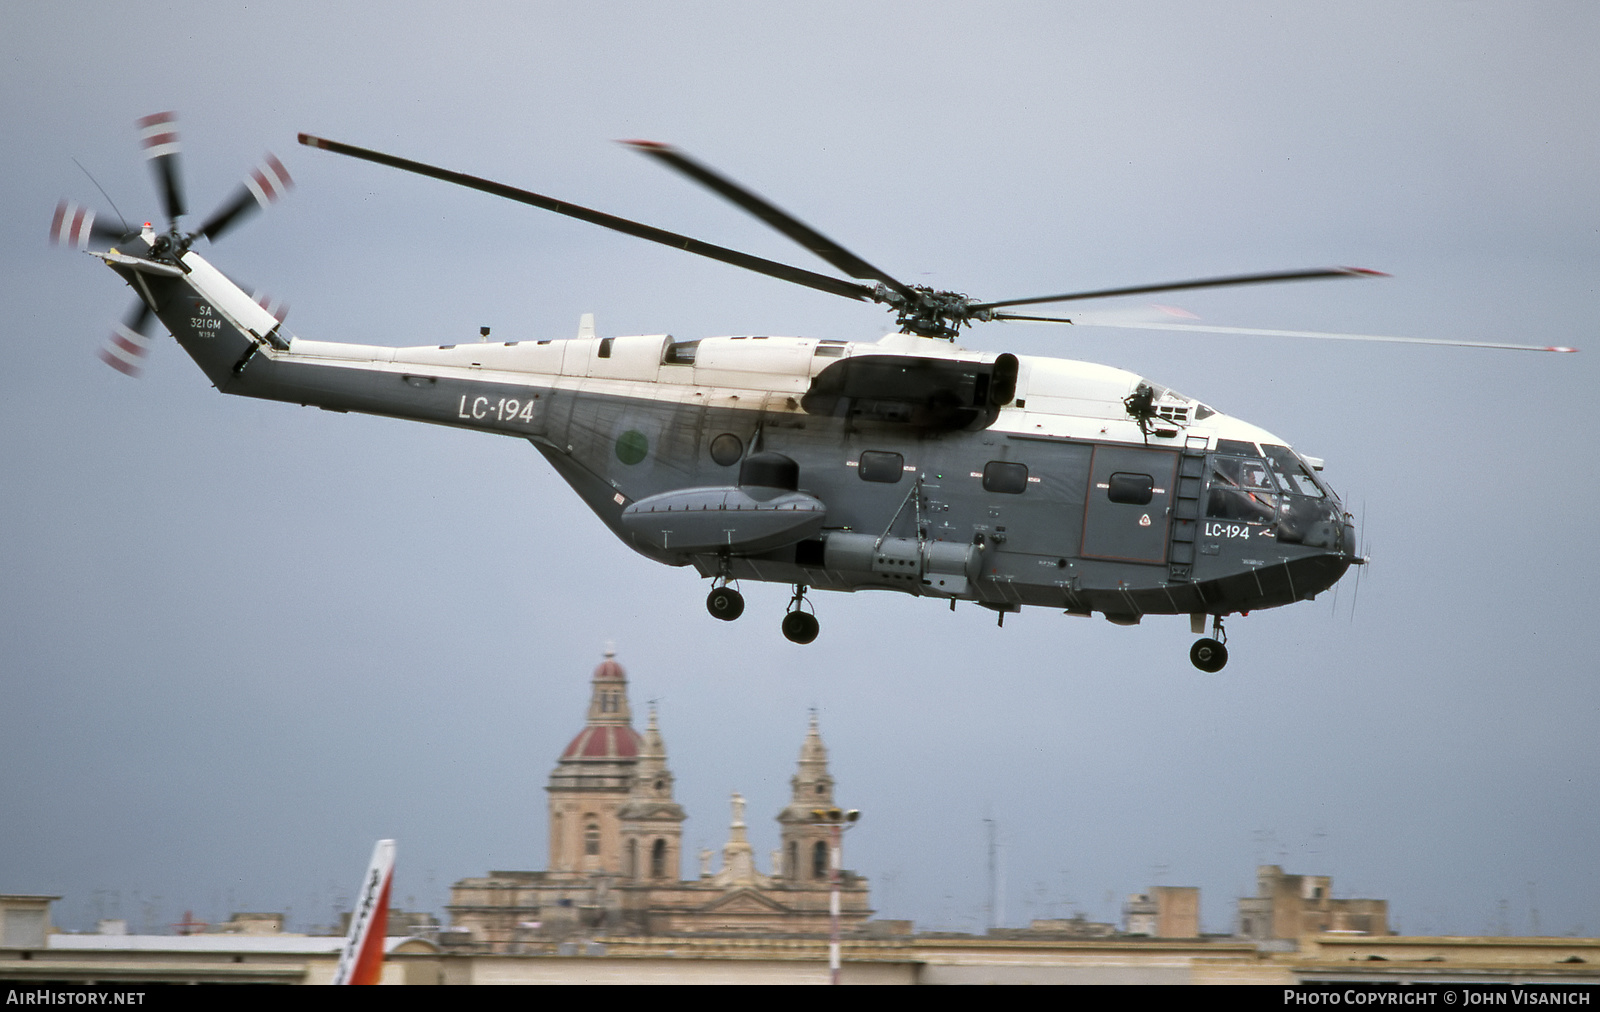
1131, 489
1005, 476
877, 465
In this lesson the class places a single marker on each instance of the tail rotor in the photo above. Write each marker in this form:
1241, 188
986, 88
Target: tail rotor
77, 226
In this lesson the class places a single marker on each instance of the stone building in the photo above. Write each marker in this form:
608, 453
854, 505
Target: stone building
616, 850
1163, 912
1291, 906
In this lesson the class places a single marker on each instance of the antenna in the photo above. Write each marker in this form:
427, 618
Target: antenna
104, 194
995, 910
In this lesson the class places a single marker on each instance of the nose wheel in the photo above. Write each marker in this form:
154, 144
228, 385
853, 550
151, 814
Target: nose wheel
799, 626
1210, 655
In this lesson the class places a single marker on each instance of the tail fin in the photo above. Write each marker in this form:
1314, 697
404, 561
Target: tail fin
362, 961
217, 322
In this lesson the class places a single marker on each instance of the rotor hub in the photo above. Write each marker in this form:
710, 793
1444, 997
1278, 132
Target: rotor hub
930, 312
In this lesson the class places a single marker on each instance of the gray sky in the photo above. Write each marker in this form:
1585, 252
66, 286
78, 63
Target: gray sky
241, 641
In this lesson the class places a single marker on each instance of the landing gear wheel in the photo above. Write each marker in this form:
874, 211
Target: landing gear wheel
800, 627
725, 603
1208, 655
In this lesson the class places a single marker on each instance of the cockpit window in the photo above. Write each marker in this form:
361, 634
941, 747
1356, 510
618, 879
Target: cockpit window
1291, 472
1241, 489
1243, 472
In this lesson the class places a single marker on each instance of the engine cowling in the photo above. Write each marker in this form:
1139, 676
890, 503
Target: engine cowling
932, 568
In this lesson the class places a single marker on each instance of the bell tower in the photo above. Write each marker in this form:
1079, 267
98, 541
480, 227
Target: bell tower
651, 821
592, 779
804, 842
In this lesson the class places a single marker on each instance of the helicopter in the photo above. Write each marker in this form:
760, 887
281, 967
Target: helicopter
907, 464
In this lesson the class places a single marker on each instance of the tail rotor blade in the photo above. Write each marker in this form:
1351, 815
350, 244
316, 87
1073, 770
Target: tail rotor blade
159, 134
277, 307
265, 184
126, 348
75, 225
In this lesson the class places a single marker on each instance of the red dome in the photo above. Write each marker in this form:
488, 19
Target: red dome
604, 741
610, 671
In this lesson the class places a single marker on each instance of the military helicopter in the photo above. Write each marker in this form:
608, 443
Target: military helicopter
907, 464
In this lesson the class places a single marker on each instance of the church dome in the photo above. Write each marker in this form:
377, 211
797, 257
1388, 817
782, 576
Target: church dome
609, 670
604, 741
608, 735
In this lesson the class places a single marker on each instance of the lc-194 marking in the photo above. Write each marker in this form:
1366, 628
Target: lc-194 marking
1218, 530
501, 410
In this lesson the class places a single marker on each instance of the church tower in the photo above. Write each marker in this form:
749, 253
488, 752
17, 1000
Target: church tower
616, 850
651, 821
804, 842
593, 778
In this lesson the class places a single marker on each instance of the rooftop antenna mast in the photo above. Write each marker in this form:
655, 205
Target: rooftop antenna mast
996, 910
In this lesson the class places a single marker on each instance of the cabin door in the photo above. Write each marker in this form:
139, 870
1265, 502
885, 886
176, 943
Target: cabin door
1128, 509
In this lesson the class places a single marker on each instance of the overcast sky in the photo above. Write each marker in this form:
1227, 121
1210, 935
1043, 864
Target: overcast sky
240, 641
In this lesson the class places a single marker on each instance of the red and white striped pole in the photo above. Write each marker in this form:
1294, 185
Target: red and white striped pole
834, 877
837, 822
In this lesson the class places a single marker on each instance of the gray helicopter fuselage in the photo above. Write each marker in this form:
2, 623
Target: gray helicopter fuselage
1050, 493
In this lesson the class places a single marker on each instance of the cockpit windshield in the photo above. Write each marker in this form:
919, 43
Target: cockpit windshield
1292, 473
1276, 489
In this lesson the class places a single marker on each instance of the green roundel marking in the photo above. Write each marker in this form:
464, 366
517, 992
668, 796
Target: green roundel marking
632, 446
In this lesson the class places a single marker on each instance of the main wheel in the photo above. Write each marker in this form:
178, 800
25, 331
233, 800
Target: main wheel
1208, 655
725, 603
800, 627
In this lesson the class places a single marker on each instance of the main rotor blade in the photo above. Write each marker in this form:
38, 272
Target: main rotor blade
778, 219
1173, 286
159, 134
1260, 332
265, 184
784, 272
